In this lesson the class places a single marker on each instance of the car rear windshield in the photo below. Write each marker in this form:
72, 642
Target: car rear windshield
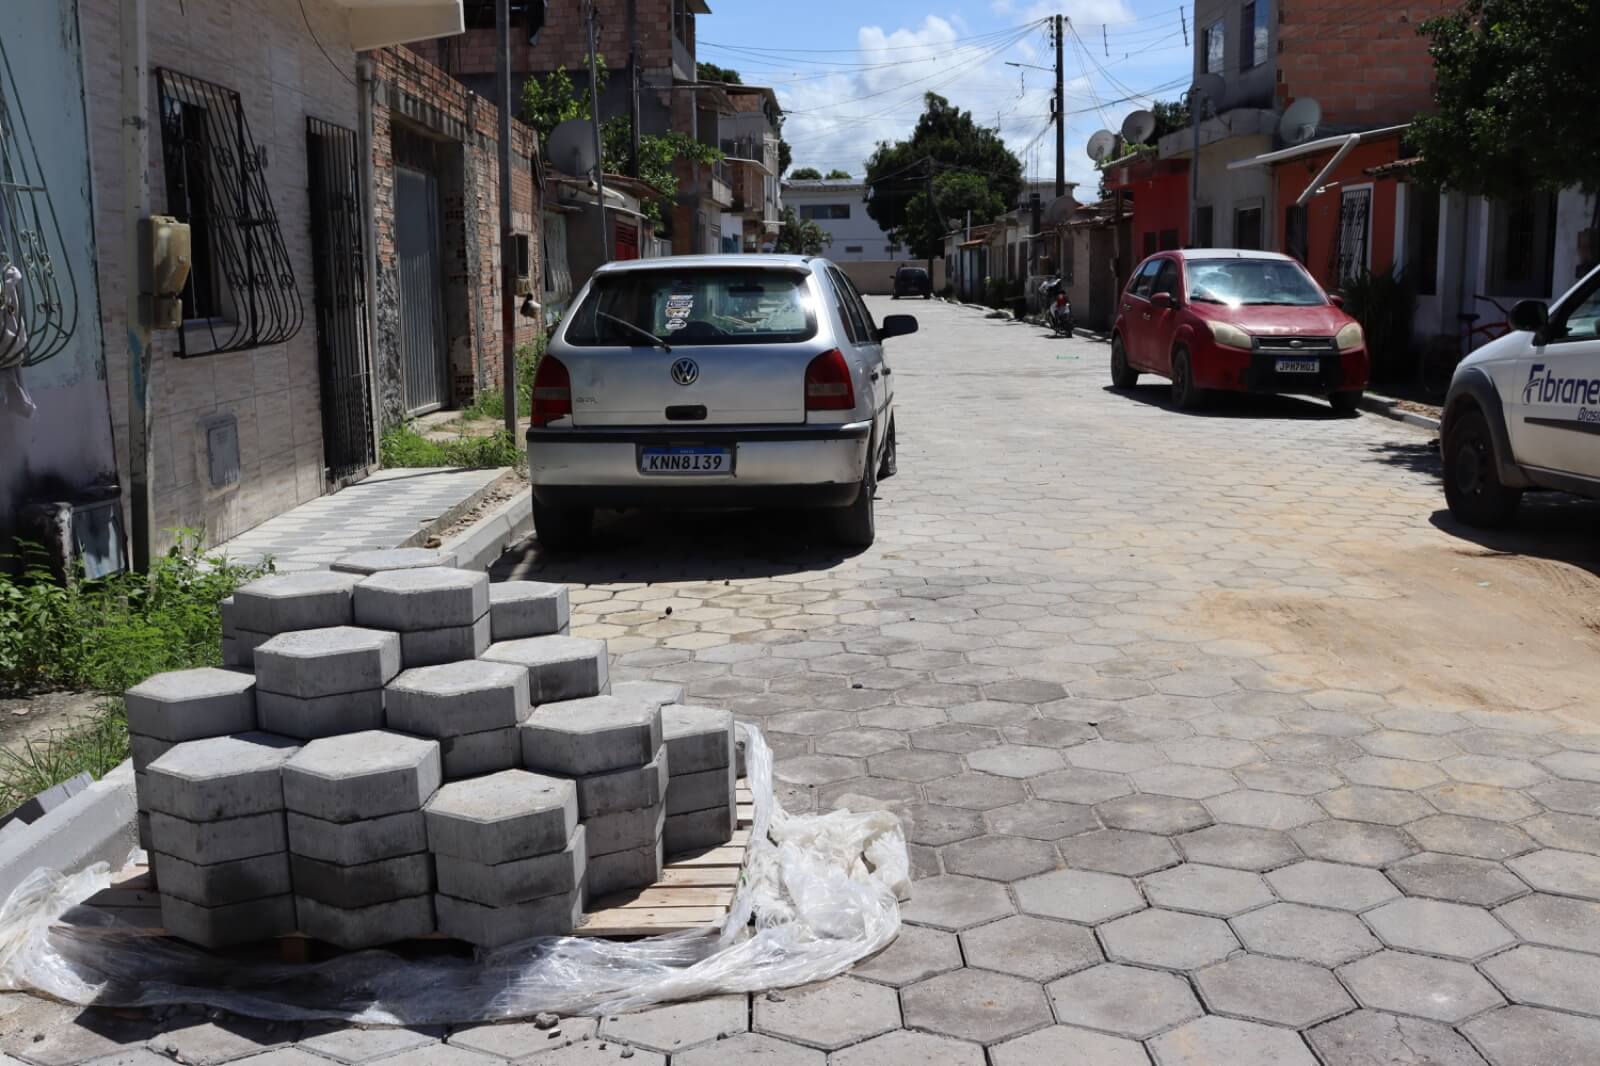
913, 273
695, 306
1236, 282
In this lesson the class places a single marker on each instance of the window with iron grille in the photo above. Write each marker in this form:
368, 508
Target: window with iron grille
1350, 250
241, 292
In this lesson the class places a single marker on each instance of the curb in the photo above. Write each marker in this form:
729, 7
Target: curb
1381, 405
98, 824
451, 514
477, 547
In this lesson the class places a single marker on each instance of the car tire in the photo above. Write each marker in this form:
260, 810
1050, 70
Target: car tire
890, 466
1186, 395
854, 526
1472, 485
1123, 376
894, 296
561, 529
1346, 403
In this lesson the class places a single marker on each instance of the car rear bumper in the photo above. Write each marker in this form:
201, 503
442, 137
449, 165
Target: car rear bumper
799, 466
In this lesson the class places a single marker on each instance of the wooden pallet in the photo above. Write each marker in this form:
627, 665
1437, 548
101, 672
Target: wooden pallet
695, 892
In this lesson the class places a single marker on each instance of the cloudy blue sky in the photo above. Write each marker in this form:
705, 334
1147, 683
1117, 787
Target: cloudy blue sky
852, 73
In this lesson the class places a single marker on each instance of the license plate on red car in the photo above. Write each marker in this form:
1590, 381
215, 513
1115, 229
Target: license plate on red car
1298, 366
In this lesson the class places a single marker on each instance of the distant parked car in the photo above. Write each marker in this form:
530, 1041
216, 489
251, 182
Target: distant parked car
1233, 320
719, 381
1523, 411
912, 281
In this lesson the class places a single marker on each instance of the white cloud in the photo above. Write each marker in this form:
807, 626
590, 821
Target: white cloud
1094, 13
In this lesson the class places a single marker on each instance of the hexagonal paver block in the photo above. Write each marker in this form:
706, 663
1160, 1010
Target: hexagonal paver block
1216, 752
379, 560
1210, 1040
678, 1026
1065, 1043
1418, 985
698, 739
327, 662
1015, 760
1272, 990
1353, 842
457, 698
1048, 733
1438, 928
1035, 948
1080, 786
1369, 1037
830, 1014
359, 776
1564, 873
906, 1047
1566, 832
748, 1047
1456, 878
915, 766
1391, 773
977, 792
1024, 690
1493, 770
1476, 837
1310, 934
1546, 977
1292, 778
1109, 755
1554, 920
1163, 815
502, 817
1213, 890
1000, 858
582, 1053
1189, 782
958, 737
282, 603
519, 609
857, 743
1078, 896
975, 1005
956, 903
1328, 884
1238, 846
409, 600
1577, 765
1043, 820
1168, 939
1381, 806
1264, 810
192, 704
1530, 1035
1127, 1000
935, 826
916, 954
590, 736
1483, 801
1118, 851
559, 668
1421, 747
218, 777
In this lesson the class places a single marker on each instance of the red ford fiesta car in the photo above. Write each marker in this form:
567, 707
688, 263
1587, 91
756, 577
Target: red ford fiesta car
1236, 320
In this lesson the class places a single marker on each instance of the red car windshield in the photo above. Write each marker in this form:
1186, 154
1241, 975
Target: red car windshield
1237, 282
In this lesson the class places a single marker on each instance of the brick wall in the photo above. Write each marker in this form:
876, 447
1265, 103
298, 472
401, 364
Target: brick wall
262, 49
565, 42
1364, 61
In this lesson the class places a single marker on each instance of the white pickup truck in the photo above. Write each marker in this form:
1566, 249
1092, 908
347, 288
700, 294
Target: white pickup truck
1523, 411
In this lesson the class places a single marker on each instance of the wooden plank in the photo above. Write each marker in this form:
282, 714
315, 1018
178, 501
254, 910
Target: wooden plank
700, 877
727, 855
655, 898
650, 922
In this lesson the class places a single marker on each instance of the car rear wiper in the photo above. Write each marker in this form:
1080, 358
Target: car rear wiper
655, 341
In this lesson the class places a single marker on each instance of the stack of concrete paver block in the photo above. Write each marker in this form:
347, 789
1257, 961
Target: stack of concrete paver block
354, 801
519, 609
380, 560
283, 603
471, 708
511, 857
702, 810
441, 614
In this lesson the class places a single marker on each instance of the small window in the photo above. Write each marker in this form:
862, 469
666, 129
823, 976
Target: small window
1247, 227
1212, 42
1253, 34
1169, 240
1422, 239
524, 262
824, 211
854, 248
1150, 243
1355, 229
1146, 276
1202, 227
1522, 246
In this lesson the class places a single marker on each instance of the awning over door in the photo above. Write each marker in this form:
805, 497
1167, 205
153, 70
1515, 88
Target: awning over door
381, 23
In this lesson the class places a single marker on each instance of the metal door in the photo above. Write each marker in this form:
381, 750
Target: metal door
1350, 253
416, 238
341, 298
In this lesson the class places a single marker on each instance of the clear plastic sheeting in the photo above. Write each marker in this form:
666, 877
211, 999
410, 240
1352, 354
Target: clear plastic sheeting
820, 893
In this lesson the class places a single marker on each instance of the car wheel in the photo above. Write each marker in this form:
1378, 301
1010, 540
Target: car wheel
854, 526
1472, 485
1123, 376
1186, 395
894, 296
1346, 403
561, 529
890, 465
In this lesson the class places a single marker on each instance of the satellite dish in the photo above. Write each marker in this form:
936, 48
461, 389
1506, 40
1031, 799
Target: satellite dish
1101, 145
570, 147
1210, 86
1137, 127
1061, 209
1299, 123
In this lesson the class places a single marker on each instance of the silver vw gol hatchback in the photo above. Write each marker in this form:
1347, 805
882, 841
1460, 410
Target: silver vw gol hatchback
719, 381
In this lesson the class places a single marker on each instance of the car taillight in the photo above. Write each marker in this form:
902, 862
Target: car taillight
828, 386
552, 391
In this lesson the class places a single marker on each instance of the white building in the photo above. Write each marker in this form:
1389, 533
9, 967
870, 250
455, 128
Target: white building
839, 206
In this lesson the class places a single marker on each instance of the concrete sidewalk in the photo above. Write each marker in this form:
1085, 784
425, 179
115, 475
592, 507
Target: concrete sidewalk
391, 509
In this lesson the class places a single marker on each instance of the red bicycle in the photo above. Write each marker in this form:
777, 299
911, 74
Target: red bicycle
1440, 361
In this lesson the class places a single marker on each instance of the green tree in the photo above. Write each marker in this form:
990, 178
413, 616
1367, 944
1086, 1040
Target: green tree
806, 174
801, 236
657, 152
1171, 116
549, 101
1516, 98
785, 154
945, 140
837, 173
712, 72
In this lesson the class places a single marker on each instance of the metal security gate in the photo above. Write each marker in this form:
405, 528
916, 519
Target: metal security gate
422, 340
341, 298
1350, 252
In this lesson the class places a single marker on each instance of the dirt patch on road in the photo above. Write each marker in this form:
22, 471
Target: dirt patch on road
1470, 627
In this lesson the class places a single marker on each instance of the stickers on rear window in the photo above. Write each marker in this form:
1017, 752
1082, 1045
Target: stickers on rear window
678, 307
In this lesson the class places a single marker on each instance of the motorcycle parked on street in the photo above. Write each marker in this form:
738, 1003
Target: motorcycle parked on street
1057, 308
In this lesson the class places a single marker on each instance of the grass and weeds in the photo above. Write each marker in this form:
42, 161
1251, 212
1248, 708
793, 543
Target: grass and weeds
104, 636
492, 404
402, 445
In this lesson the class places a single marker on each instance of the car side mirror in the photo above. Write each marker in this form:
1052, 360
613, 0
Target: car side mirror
1163, 300
1336, 300
1529, 315
897, 326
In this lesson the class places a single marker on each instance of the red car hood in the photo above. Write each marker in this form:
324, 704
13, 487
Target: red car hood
1274, 320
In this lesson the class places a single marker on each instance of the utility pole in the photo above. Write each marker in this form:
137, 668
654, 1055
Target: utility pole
135, 209
508, 239
599, 147
1061, 115
633, 87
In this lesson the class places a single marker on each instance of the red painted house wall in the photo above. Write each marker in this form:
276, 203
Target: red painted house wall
1160, 193
1322, 210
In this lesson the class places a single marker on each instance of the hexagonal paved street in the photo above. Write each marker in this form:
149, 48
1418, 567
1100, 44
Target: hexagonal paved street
1214, 743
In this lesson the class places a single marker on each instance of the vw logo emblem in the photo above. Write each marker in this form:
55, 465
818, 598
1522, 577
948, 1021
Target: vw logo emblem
685, 371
